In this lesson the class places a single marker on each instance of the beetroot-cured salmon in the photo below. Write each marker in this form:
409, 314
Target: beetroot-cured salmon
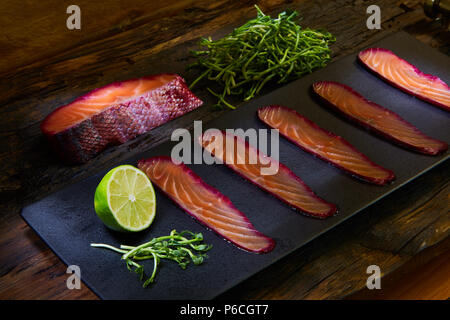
204, 203
376, 118
116, 113
265, 172
405, 76
323, 144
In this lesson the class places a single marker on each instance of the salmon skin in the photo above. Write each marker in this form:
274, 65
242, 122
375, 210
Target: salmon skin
403, 75
204, 203
116, 113
265, 172
323, 144
376, 118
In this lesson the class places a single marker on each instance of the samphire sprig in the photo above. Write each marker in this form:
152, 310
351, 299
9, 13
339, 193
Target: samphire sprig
180, 247
262, 50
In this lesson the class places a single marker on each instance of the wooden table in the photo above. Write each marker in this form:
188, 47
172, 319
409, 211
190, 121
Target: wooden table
44, 65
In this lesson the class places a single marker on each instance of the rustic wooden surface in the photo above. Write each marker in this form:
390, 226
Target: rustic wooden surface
46, 65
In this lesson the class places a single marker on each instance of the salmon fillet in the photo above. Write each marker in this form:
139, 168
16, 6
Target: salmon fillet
323, 144
377, 118
253, 165
116, 113
204, 203
405, 76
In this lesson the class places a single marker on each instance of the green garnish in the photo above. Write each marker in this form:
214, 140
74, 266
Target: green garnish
262, 50
179, 247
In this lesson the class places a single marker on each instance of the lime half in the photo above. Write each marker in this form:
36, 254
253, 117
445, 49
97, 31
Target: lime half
125, 199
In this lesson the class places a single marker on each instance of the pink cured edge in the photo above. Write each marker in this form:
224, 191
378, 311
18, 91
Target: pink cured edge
391, 175
330, 212
428, 151
416, 70
270, 242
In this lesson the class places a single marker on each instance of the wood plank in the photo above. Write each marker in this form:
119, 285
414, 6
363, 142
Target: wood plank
334, 265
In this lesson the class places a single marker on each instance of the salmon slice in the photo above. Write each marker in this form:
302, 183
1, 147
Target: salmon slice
265, 172
377, 118
405, 76
204, 203
116, 113
323, 144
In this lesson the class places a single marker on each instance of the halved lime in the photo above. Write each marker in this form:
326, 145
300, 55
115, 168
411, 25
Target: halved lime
125, 199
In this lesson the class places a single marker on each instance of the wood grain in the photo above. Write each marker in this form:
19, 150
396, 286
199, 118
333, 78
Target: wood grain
47, 66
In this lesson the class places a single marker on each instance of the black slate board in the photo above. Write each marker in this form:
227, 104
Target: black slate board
66, 220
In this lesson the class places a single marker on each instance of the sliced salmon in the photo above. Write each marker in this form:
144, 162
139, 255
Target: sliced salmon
376, 118
323, 144
204, 203
265, 172
116, 113
406, 77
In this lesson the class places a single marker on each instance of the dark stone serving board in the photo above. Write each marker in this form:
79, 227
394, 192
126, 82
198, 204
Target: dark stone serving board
66, 220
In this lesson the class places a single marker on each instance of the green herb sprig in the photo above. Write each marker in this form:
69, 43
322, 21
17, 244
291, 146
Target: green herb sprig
262, 50
180, 247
